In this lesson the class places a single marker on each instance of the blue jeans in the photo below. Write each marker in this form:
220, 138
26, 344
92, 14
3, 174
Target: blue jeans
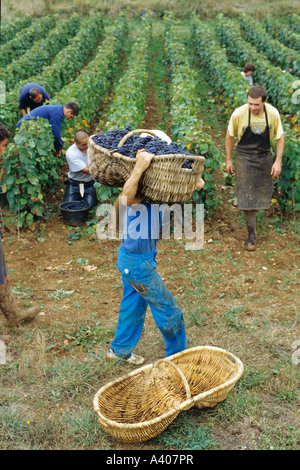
143, 286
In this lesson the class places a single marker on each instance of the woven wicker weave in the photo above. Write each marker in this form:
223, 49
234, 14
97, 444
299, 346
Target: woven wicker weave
210, 372
140, 405
165, 181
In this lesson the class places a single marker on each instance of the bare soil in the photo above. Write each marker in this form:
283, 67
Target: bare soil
52, 263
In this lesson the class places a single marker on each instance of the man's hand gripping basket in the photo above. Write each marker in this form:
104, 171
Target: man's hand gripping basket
165, 181
141, 405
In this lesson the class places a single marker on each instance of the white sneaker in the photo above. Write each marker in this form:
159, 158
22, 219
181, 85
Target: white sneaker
133, 359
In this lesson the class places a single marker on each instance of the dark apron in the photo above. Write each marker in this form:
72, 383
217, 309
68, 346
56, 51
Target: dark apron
253, 163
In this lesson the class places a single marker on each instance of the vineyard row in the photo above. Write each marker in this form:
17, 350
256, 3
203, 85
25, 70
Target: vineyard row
91, 87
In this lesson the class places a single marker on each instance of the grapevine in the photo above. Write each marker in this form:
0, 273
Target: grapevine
187, 127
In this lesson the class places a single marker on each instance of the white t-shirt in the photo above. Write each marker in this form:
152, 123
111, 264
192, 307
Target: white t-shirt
78, 160
249, 78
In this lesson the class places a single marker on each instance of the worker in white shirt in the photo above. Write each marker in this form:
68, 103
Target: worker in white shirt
80, 184
247, 72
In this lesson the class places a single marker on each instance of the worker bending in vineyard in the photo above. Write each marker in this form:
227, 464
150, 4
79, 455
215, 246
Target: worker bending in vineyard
32, 96
55, 115
142, 285
8, 305
247, 72
80, 184
255, 124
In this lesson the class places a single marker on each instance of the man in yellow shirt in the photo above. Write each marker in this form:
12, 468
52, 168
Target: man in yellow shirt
254, 124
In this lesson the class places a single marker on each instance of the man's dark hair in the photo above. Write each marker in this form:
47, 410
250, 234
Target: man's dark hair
74, 107
4, 132
34, 92
257, 92
249, 67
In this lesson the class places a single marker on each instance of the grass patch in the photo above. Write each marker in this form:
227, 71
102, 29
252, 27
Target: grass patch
187, 434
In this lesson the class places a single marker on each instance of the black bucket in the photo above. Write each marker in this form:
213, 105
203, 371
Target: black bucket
74, 212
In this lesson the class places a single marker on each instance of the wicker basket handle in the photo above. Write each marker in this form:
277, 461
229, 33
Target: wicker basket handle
137, 131
185, 382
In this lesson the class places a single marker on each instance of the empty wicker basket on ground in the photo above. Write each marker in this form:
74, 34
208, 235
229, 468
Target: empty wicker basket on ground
165, 181
141, 405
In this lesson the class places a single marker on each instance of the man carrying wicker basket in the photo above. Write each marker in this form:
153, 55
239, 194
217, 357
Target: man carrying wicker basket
142, 285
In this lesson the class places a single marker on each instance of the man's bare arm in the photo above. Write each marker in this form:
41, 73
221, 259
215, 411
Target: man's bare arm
276, 168
228, 148
128, 195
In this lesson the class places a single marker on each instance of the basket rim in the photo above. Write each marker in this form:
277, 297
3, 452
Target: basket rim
212, 348
73, 210
235, 378
186, 404
167, 156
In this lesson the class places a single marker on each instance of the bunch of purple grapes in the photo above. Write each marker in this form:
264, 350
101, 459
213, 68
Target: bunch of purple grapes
134, 143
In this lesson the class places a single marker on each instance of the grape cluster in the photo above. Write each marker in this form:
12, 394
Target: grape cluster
134, 143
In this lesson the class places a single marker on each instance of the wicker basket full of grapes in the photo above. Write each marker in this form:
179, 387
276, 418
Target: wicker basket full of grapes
171, 177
